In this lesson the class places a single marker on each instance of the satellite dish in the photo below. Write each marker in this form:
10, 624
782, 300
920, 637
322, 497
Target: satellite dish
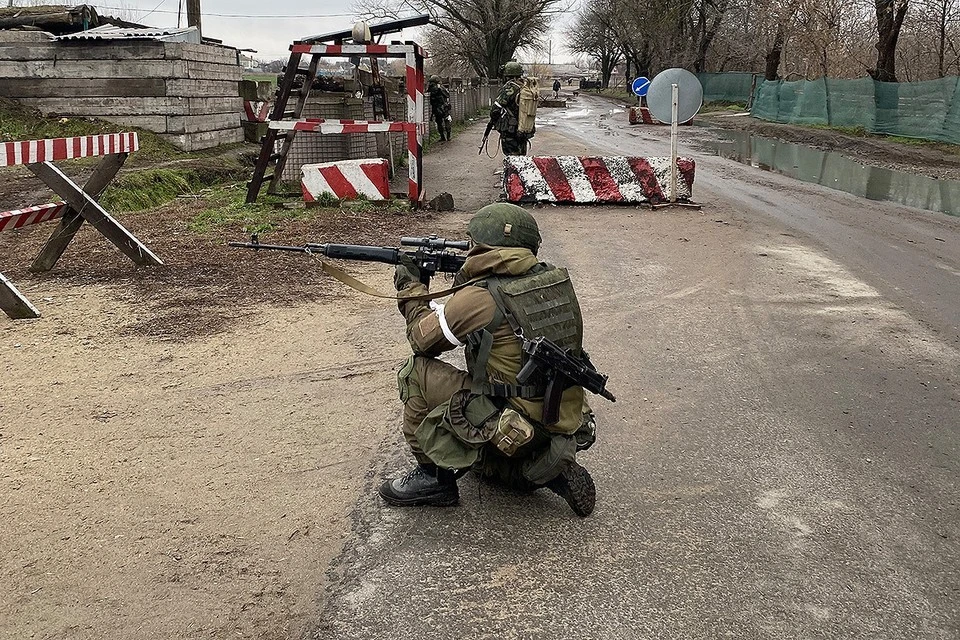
361, 32
660, 95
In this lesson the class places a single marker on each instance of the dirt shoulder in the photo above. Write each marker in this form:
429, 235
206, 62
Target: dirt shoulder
169, 466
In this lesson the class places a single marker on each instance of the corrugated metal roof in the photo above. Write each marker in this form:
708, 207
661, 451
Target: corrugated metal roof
110, 32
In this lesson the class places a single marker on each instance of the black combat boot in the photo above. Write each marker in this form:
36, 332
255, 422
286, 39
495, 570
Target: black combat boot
575, 486
424, 485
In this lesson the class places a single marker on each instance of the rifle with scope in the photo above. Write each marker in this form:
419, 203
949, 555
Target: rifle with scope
432, 255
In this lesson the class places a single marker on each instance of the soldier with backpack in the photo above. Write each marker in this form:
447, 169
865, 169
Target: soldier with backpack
523, 431
515, 110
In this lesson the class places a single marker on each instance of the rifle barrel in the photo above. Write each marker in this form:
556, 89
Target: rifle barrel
256, 246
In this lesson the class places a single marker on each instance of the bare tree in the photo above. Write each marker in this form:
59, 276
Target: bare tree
478, 34
593, 36
890, 15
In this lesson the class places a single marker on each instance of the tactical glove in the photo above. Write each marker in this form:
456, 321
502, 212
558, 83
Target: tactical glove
406, 273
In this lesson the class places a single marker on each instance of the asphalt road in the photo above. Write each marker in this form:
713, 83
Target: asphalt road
782, 461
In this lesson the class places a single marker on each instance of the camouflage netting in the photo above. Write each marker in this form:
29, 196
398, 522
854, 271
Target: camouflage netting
726, 87
928, 110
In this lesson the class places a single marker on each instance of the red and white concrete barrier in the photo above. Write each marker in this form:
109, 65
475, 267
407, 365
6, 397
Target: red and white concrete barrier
346, 179
642, 115
255, 111
613, 179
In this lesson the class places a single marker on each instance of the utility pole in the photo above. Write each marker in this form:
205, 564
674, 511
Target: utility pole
193, 15
550, 53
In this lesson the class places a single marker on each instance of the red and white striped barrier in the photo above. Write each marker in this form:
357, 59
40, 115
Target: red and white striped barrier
52, 149
397, 50
31, 215
79, 203
346, 179
642, 115
320, 125
255, 111
613, 179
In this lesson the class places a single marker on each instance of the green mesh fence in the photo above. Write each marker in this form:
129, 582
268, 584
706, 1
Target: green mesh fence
729, 87
928, 110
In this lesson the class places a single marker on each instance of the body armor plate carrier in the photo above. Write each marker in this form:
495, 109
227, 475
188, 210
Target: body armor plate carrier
541, 303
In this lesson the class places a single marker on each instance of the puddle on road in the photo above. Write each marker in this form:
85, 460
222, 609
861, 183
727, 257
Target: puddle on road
833, 170
576, 113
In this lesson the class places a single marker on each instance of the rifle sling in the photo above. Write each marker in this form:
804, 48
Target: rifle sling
353, 283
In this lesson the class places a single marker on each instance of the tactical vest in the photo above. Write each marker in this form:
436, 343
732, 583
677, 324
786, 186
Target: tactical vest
540, 303
509, 116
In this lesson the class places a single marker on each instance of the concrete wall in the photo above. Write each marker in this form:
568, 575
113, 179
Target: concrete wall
186, 92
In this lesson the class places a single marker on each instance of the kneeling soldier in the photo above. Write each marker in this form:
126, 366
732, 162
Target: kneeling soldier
484, 419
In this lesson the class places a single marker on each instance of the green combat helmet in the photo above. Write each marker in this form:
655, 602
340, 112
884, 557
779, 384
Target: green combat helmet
504, 225
434, 80
512, 69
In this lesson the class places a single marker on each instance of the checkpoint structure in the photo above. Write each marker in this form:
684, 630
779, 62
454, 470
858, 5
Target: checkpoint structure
285, 123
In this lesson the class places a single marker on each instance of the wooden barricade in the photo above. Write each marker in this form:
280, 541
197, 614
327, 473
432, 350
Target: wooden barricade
78, 204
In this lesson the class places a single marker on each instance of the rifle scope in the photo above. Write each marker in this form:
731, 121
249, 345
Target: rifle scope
433, 242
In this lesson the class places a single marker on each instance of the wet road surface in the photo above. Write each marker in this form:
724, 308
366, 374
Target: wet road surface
782, 461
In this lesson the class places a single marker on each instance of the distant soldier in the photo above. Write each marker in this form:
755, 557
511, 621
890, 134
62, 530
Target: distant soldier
556, 88
506, 114
440, 106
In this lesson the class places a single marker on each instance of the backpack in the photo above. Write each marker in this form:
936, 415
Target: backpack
529, 98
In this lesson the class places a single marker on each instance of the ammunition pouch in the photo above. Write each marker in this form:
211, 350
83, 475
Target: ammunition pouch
507, 123
513, 431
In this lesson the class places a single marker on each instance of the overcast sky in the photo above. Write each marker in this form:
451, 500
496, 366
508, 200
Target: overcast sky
269, 27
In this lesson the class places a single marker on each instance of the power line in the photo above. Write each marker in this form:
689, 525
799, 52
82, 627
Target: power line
238, 15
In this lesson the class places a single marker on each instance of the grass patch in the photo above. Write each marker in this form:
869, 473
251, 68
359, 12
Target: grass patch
149, 188
617, 94
20, 122
226, 209
723, 105
859, 132
455, 130
261, 77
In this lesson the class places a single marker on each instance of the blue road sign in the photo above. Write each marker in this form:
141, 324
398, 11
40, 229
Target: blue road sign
640, 86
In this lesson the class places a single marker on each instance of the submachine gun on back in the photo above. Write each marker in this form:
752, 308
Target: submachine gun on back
562, 371
432, 255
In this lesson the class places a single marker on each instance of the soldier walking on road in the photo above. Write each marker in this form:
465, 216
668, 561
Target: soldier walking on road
505, 115
556, 89
484, 419
440, 107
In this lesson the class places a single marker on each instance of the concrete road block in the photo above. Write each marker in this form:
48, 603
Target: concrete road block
346, 179
642, 115
594, 179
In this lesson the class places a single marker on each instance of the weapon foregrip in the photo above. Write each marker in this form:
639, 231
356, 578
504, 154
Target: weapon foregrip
360, 252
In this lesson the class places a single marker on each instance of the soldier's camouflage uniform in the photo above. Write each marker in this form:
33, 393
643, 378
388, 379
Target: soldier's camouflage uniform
427, 384
440, 107
506, 113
